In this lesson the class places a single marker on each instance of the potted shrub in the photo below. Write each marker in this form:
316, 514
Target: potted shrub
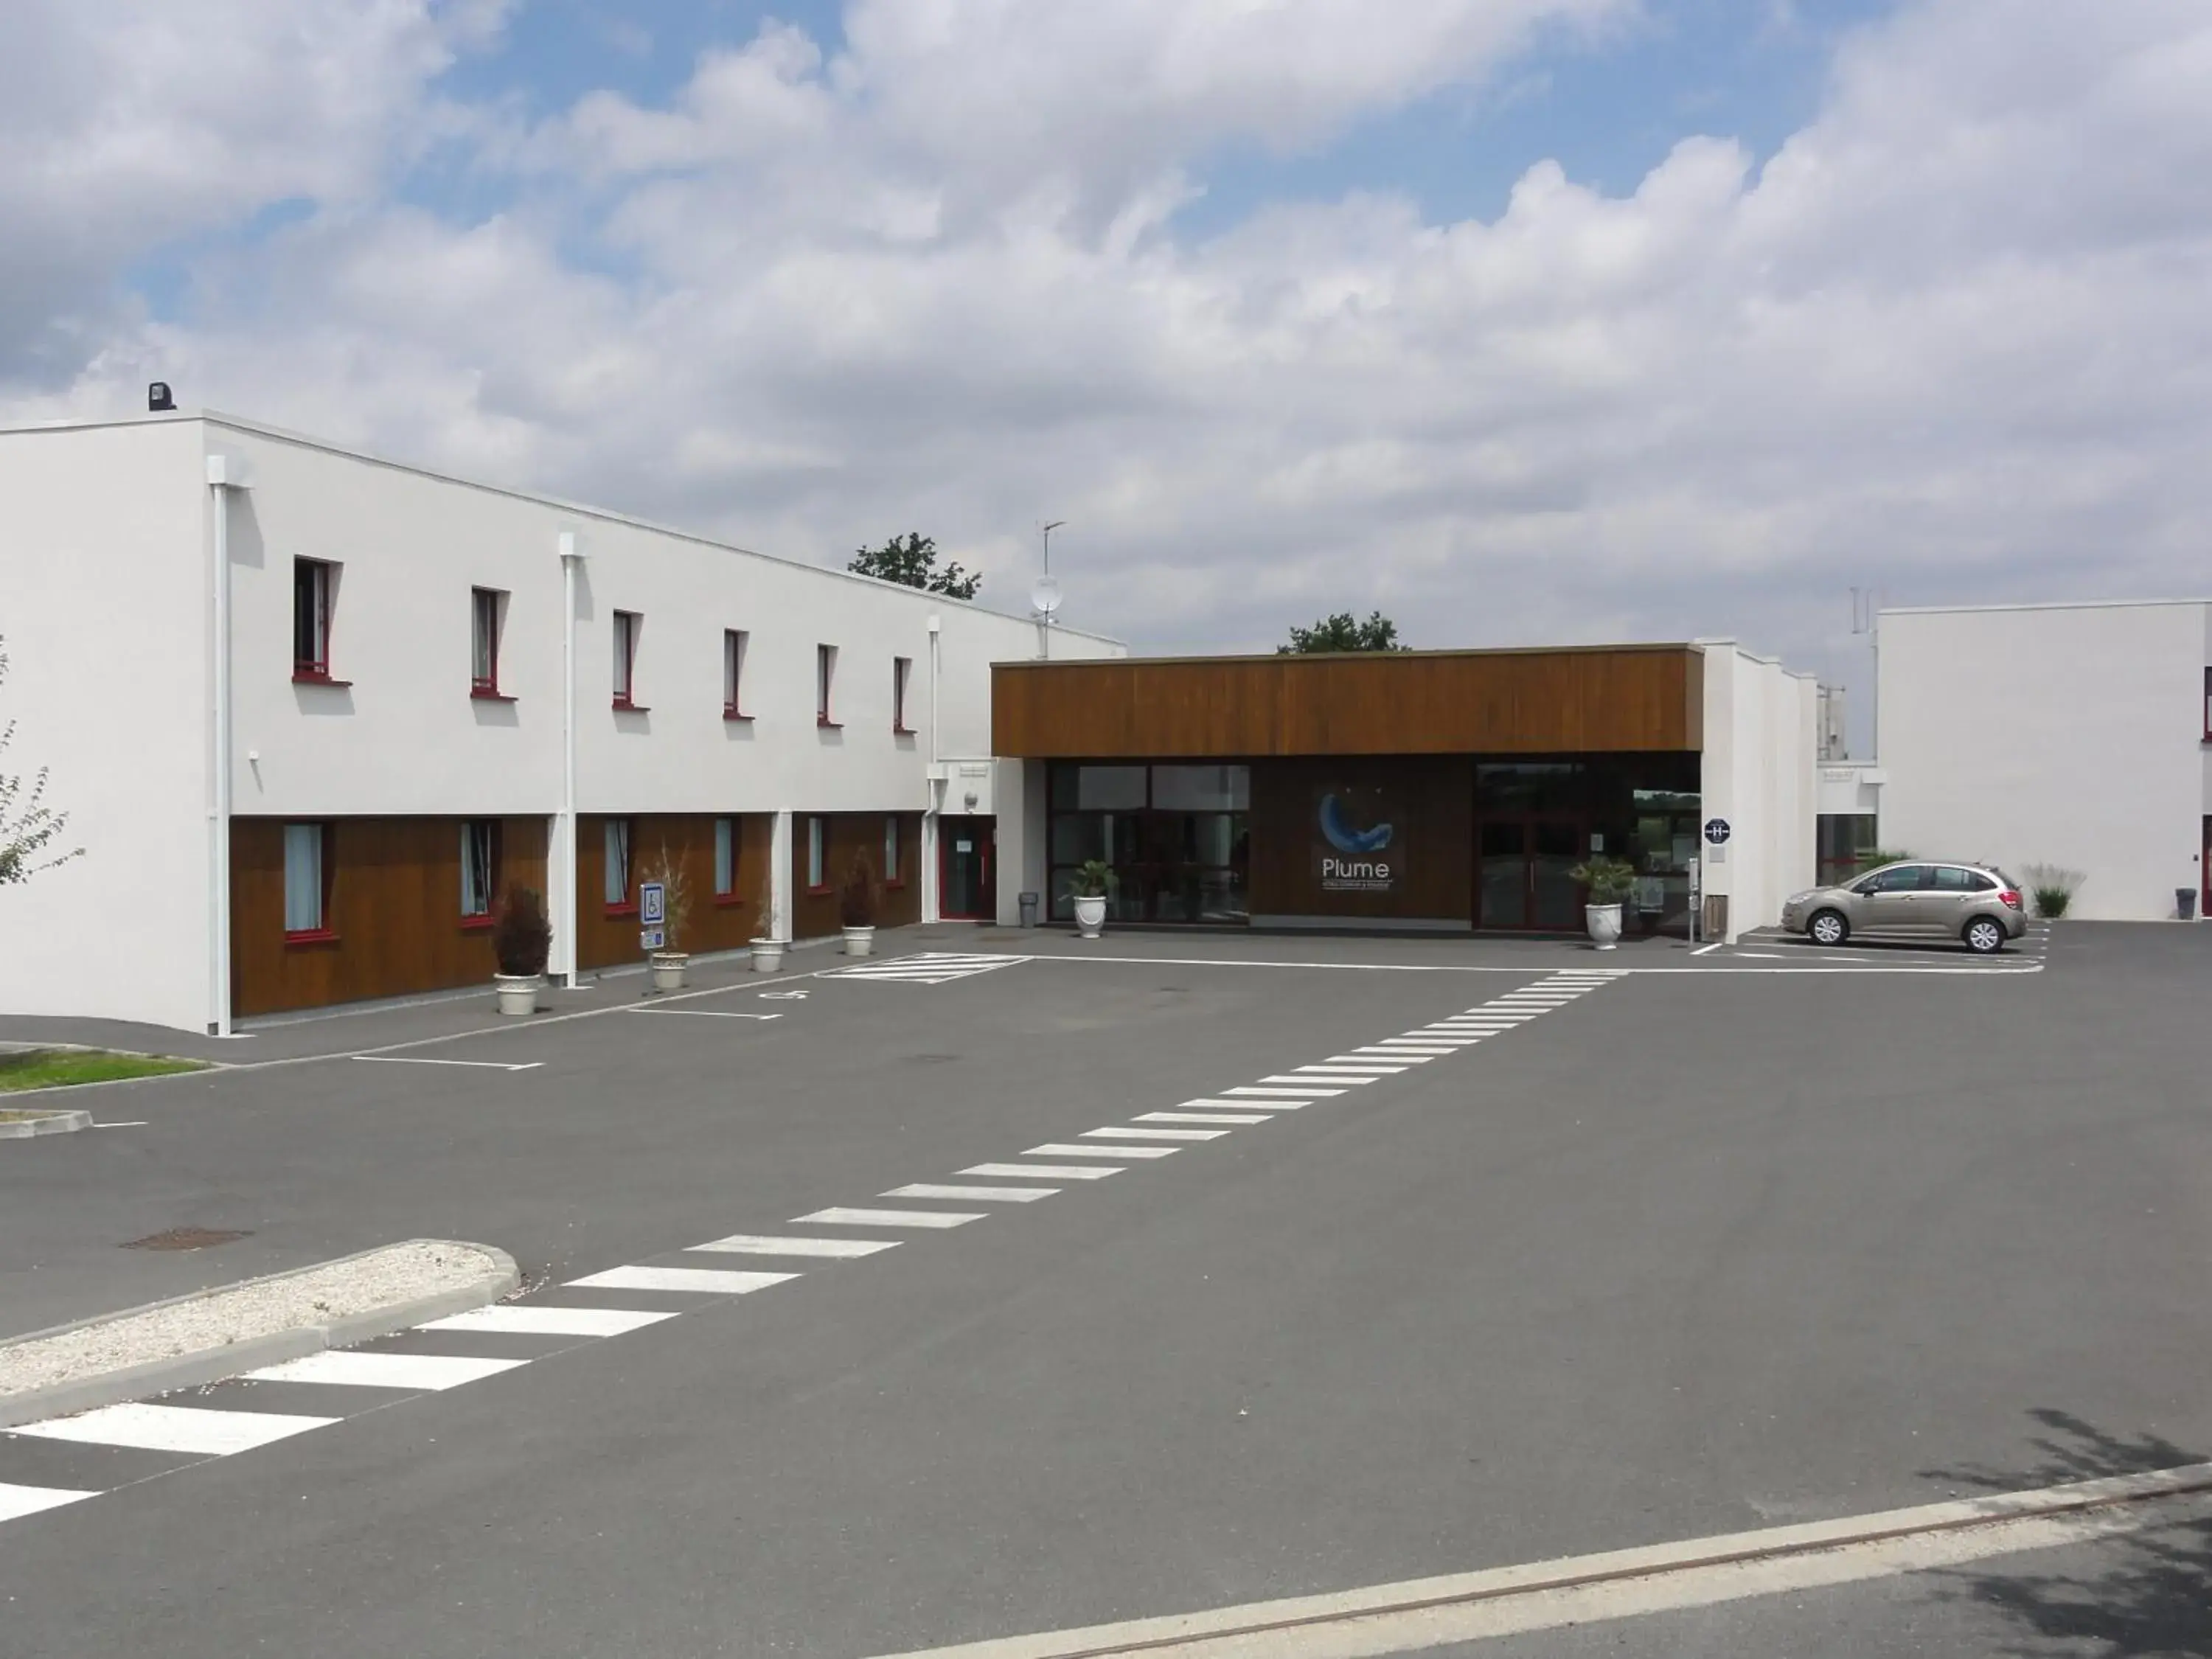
2052, 886
671, 962
856, 907
521, 939
767, 950
1610, 881
1093, 881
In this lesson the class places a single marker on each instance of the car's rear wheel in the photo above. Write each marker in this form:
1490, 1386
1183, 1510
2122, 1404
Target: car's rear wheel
1984, 936
1828, 927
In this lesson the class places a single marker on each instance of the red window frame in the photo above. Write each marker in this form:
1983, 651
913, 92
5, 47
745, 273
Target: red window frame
2208, 705
626, 626
325, 933
901, 671
825, 679
895, 858
734, 641
313, 667
818, 854
627, 905
484, 608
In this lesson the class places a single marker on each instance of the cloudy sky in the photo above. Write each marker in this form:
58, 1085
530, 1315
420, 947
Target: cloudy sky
1521, 321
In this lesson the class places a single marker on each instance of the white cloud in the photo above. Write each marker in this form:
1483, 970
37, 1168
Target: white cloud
1951, 339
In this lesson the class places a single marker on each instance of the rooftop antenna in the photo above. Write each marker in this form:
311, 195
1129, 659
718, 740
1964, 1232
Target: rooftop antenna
1044, 593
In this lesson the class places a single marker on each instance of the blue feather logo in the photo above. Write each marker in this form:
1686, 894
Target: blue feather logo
1346, 839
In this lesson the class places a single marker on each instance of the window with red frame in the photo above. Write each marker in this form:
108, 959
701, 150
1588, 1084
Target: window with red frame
311, 619
485, 605
618, 894
626, 632
901, 671
306, 881
733, 674
825, 676
479, 867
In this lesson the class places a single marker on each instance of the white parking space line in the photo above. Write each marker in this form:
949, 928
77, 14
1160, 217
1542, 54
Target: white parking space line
831, 1249
843, 1218
473, 1065
173, 1428
1069, 1149
529, 1320
1230, 1118
30, 1500
973, 1194
1043, 1171
352, 1368
703, 1013
704, 1281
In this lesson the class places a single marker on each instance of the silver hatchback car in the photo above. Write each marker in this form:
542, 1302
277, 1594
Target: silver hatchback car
1971, 902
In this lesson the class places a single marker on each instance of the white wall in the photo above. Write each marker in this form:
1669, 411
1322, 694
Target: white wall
1760, 772
405, 737
2054, 734
104, 606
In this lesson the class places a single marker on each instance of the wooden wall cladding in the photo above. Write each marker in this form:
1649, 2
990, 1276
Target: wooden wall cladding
1577, 701
394, 910
814, 914
609, 938
1431, 804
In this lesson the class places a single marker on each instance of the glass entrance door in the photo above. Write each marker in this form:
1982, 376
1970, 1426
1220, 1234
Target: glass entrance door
1521, 874
965, 889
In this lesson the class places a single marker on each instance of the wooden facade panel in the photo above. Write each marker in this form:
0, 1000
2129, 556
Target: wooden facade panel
845, 834
392, 909
607, 935
1597, 700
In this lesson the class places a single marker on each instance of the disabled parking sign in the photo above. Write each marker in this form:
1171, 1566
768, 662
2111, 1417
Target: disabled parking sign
652, 905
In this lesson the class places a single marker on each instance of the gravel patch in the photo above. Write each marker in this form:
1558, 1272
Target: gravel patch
214, 1319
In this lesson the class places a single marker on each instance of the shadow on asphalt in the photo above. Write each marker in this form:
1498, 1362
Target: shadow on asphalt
2154, 1597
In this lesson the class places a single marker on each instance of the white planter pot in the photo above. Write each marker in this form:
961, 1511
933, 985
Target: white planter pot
1091, 914
859, 941
1604, 922
668, 968
768, 955
518, 993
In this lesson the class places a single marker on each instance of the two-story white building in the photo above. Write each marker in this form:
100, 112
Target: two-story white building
311, 712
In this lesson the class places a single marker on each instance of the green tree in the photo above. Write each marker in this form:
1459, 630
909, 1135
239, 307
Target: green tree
27, 826
1342, 632
912, 559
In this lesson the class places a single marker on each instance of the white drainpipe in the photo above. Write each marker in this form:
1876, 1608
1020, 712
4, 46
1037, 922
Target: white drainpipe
567, 909
933, 901
224, 474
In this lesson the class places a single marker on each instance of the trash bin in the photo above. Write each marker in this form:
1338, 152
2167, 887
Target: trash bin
1029, 902
2185, 904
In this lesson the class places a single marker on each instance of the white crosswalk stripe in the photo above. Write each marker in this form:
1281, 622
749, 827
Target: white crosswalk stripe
30, 1500
1230, 1118
430, 1371
1115, 1131
932, 1219
704, 1281
835, 1249
972, 1195
1043, 1171
173, 1428
925, 968
527, 1319
1069, 1149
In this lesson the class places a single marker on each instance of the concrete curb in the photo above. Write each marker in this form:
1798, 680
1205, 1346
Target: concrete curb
190, 1370
55, 1122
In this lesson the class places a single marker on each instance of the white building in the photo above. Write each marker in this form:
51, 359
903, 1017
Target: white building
309, 710
2073, 735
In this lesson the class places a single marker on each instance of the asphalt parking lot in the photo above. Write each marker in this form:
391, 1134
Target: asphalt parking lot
1709, 1244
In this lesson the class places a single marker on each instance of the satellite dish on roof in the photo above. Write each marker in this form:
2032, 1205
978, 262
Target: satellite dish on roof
1044, 595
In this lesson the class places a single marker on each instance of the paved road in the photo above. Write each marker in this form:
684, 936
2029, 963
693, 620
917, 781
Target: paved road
1687, 1252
